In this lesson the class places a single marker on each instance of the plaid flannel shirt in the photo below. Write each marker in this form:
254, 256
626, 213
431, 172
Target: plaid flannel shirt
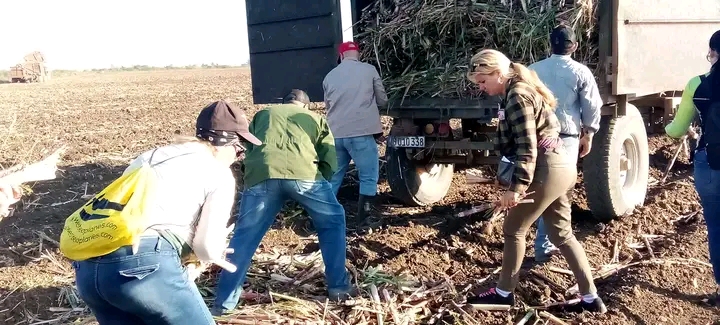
526, 119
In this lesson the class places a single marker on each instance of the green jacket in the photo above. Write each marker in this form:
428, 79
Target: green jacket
297, 144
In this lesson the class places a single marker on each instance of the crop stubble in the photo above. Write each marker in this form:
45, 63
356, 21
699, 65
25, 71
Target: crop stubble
107, 119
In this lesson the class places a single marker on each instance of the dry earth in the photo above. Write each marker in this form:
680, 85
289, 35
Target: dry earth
107, 119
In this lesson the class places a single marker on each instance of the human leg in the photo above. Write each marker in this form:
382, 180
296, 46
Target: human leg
328, 218
560, 232
559, 227
343, 158
259, 206
548, 184
516, 225
707, 185
105, 313
547, 187
150, 286
364, 153
543, 247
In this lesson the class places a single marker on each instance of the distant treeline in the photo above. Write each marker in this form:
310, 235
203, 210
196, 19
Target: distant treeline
60, 72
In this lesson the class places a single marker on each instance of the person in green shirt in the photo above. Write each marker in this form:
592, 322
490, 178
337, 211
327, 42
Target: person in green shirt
701, 102
295, 161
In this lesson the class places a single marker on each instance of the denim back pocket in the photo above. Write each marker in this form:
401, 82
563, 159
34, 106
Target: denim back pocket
140, 272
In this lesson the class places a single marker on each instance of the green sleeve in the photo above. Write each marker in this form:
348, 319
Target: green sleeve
686, 112
325, 149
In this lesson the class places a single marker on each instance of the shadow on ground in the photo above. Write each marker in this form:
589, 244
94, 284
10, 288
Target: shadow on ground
38, 218
34, 275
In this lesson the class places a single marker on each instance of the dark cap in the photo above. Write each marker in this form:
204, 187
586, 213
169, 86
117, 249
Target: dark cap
715, 41
562, 36
224, 120
297, 95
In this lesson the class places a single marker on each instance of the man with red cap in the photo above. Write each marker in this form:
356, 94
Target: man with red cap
353, 92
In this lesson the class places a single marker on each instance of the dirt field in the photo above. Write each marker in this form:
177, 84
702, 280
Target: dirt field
107, 119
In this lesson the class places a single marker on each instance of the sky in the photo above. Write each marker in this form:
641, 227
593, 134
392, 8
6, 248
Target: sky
82, 34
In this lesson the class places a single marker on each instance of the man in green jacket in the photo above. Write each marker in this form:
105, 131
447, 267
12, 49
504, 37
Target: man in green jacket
295, 161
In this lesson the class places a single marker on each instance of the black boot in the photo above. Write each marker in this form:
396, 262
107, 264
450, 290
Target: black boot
365, 203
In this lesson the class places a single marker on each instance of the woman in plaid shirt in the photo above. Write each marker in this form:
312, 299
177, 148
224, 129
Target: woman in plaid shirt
528, 135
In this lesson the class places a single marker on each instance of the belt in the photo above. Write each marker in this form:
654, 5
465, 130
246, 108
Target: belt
565, 135
148, 243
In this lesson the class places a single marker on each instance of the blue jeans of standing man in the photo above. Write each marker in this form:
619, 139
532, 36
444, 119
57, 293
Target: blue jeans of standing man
149, 287
259, 206
543, 246
707, 185
363, 150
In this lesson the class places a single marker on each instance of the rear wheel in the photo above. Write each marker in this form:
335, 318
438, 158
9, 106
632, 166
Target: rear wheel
616, 171
414, 183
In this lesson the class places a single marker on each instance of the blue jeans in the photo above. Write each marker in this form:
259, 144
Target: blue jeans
707, 185
543, 246
149, 287
363, 150
259, 206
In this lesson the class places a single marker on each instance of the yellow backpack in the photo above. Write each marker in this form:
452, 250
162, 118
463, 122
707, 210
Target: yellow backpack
113, 218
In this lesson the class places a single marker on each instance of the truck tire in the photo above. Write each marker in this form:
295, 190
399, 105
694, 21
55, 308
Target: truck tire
615, 172
416, 185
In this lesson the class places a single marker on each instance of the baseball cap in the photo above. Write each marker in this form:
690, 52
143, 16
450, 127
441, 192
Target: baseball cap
348, 46
221, 121
297, 95
562, 35
715, 41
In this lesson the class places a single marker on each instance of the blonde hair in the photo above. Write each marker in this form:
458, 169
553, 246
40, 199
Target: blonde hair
490, 61
183, 139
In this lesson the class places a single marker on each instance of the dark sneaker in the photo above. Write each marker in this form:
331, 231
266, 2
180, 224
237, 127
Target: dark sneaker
596, 306
712, 299
491, 298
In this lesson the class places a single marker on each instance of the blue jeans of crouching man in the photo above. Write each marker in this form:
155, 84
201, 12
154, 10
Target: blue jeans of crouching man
543, 247
259, 206
707, 185
149, 287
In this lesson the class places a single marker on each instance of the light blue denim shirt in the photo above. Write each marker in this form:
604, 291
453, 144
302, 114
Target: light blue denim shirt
577, 94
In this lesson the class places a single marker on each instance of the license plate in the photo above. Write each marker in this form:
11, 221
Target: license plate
406, 142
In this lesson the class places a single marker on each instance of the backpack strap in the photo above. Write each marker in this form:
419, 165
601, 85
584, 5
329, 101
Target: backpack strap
153, 154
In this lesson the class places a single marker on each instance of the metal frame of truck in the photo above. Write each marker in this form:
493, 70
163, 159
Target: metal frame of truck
293, 45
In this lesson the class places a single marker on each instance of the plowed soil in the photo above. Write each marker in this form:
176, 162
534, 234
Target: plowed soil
107, 119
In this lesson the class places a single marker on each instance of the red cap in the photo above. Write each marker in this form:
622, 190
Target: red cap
348, 46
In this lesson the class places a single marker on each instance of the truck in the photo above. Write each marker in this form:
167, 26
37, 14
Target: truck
33, 69
643, 73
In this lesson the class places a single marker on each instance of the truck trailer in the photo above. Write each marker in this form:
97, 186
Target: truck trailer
648, 50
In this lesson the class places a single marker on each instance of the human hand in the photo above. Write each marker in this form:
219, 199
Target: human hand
585, 145
195, 267
508, 200
380, 138
9, 195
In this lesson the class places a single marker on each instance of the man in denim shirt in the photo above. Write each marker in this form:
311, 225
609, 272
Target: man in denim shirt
578, 108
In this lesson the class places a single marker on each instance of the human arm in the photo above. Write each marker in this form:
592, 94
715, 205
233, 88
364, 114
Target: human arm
210, 239
326, 95
590, 103
520, 115
686, 112
380, 95
325, 148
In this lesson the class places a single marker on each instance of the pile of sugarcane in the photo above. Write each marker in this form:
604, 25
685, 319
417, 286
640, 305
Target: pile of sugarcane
422, 48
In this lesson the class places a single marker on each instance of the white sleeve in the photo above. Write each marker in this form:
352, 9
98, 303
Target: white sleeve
210, 240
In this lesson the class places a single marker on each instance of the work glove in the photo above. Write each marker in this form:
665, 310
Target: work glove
379, 138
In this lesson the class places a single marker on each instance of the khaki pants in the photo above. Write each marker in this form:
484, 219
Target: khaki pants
555, 175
